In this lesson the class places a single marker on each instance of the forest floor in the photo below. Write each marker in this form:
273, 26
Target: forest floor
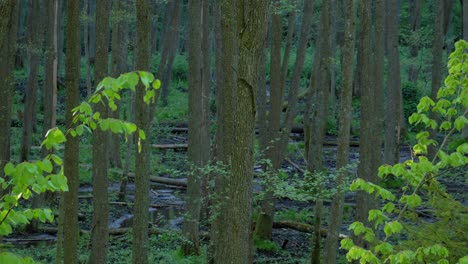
167, 206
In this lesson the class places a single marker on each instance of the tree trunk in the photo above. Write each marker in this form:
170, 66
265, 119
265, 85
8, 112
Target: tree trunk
71, 154
86, 48
415, 24
100, 230
365, 167
171, 43
392, 129
336, 215
8, 16
437, 51
199, 137
34, 26
241, 45
142, 158
280, 135
465, 37
319, 119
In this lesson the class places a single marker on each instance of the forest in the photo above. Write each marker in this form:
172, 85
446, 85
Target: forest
233, 131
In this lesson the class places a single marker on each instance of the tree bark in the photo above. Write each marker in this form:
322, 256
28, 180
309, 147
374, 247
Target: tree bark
100, 230
415, 24
336, 210
8, 16
34, 25
437, 52
71, 155
243, 33
199, 136
142, 158
319, 119
365, 167
279, 132
392, 129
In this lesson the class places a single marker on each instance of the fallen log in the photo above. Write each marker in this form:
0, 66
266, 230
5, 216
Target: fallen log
306, 228
170, 146
158, 179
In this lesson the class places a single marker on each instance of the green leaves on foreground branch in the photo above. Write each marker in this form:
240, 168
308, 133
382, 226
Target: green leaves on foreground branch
108, 91
406, 238
23, 180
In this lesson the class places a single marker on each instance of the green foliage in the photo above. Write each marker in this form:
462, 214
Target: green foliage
420, 175
26, 178
410, 98
266, 245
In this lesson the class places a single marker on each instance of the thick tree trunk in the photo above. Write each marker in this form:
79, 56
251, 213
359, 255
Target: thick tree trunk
392, 129
100, 230
336, 211
86, 48
199, 136
71, 155
8, 16
142, 158
241, 45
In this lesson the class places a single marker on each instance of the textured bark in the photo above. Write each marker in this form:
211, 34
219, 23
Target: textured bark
8, 15
279, 132
415, 24
243, 33
465, 37
142, 158
342, 159
198, 136
437, 52
71, 154
100, 230
171, 40
365, 168
34, 26
392, 129
86, 47
319, 119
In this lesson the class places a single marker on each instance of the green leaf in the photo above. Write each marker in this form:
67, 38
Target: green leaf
156, 84
9, 169
141, 134
104, 124
392, 228
460, 122
47, 166
6, 257
146, 78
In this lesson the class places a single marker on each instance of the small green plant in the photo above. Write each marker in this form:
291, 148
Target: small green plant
266, 245
408, 239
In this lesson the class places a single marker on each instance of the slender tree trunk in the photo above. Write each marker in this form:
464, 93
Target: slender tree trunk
142, 158
392, 129
415, 24
61, 36
100, 228
437, 51
8, 23
465, 37
319, 118
31, 90
86, 47
336, 210
241, 45
71, 155
92, 31
280, 136
172, 39
199, 137
365, 168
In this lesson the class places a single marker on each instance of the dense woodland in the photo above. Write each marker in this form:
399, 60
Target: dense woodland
233, 131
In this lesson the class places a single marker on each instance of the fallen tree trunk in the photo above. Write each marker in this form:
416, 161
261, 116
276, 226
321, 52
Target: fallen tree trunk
302, 228
158, 179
